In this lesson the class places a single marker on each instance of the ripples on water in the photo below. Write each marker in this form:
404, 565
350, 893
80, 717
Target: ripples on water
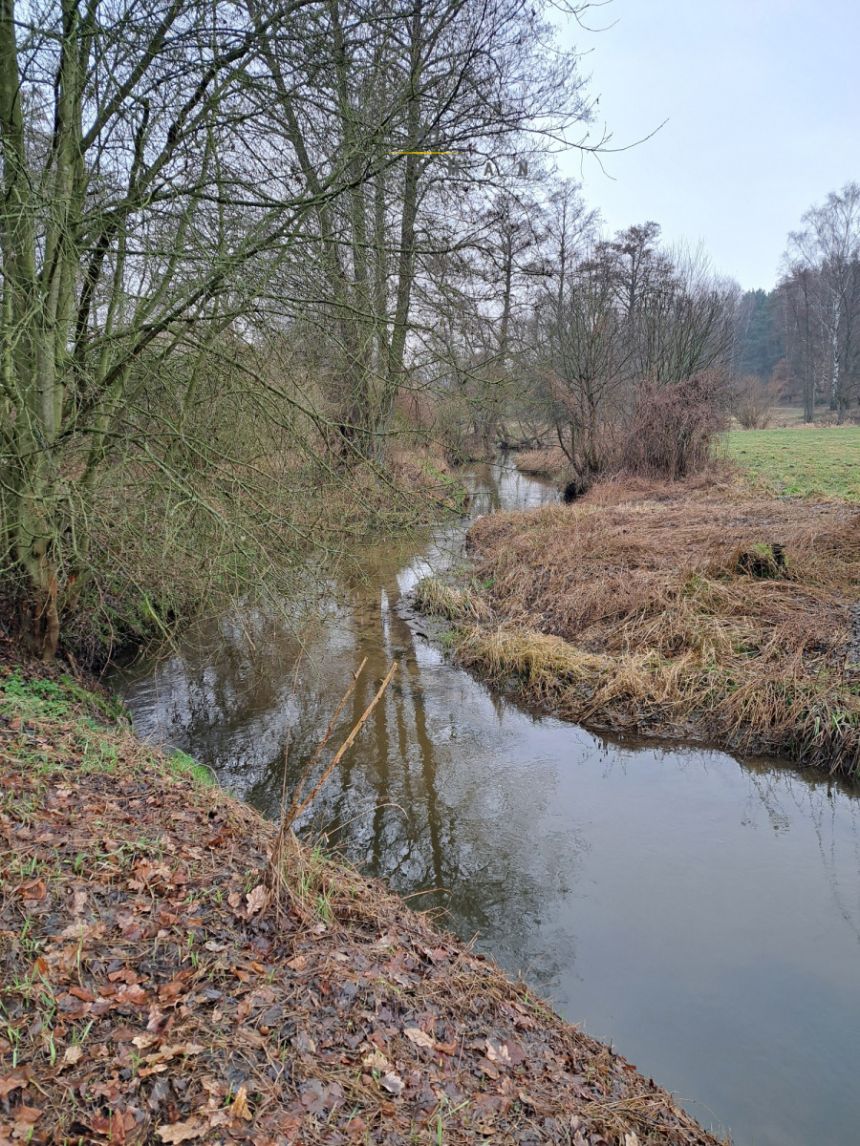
700, 913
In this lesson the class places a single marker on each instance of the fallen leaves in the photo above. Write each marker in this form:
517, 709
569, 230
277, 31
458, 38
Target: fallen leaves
115, 1126
33, 891
498, 1053
73, 1055
257, 900
376, 1061
419, 1038
26, 1117
182, 1131
152, 987
393, 1083
10, 1083
239, 1106
158, 1062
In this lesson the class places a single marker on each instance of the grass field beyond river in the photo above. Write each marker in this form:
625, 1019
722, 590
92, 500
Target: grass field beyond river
824, 462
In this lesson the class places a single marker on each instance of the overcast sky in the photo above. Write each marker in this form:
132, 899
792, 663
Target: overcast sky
762, 99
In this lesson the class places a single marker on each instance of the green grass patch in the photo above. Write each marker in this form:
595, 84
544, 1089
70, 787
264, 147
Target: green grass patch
57, 725
801, 463
32, 698
181, 764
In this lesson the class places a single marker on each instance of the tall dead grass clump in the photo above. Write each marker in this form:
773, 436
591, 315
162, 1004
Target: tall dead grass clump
673, 428
549, 462
437, 599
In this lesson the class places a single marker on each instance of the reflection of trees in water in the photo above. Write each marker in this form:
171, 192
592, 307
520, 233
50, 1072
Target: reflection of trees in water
228, 696
831, 807
400, 812
411, 803
394, 807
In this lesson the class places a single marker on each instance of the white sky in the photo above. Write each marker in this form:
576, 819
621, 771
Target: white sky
763, 103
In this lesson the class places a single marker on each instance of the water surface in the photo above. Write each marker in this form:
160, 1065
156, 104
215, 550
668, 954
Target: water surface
700, 913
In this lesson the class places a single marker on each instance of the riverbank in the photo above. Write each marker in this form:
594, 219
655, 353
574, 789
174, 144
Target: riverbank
156, 990
694, 610
140, 590
548, 463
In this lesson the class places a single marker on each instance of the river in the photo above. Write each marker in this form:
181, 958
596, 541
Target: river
699, 912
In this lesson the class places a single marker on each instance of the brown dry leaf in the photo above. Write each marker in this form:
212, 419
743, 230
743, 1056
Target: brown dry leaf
376, 1060
73, 1055
175, 1049
516, 1054
113, 1126
257, 898
487, 1068
436, 954
10, 1083
27, 1115
498, 1052
144, 1041
157, 1063
35, 889
393, 1083
182, 1131
304, 1043
239, 1106
419, 1037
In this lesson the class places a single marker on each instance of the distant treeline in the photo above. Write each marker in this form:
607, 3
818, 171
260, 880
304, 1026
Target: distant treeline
803, 337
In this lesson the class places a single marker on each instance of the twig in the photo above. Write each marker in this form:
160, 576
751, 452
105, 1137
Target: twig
276, 878
297, 804
347, 744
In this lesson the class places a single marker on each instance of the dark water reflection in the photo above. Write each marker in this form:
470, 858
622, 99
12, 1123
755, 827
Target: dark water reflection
700, 913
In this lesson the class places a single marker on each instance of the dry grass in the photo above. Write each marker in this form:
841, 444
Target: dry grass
549, 463
434, 597
633, 610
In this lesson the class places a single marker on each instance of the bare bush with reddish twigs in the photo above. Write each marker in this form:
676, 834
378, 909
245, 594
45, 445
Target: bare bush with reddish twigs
674, 425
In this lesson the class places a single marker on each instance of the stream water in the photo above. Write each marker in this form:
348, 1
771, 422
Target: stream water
699, 912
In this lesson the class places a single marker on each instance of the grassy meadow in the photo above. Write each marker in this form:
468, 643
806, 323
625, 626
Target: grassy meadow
801, 462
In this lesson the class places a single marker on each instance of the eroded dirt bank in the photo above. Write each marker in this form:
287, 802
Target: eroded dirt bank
692, 610
155, 989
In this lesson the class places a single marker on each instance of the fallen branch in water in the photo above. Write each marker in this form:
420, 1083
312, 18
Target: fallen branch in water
288, 817
299, 802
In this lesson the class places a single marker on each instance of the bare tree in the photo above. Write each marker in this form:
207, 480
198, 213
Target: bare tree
829, 246
624, 317
471, 98
144, 201
797, 292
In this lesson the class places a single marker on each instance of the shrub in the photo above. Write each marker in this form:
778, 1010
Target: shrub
674, 425
753, 401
